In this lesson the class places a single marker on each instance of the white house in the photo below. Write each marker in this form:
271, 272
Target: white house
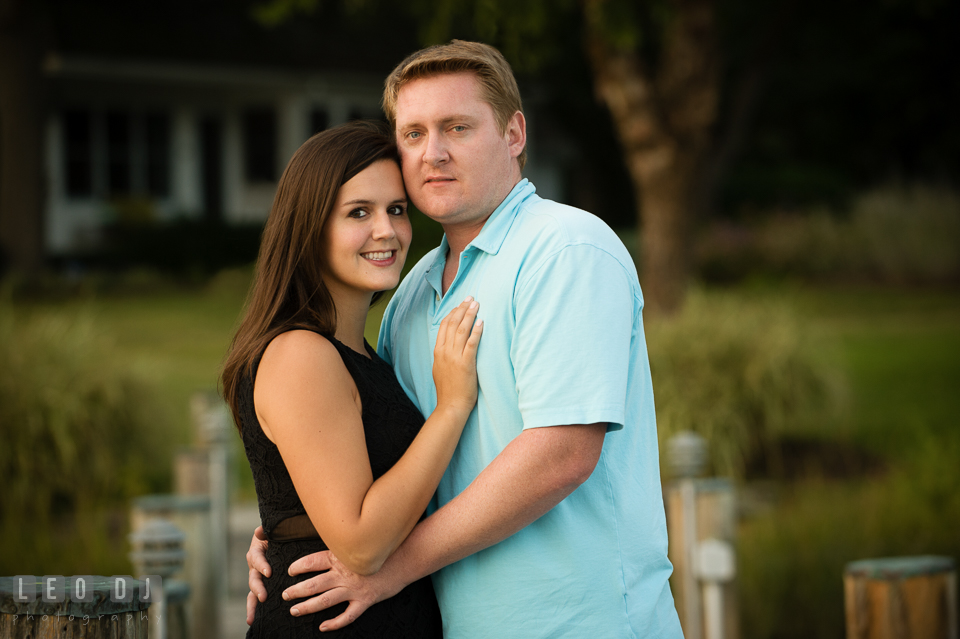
157, 141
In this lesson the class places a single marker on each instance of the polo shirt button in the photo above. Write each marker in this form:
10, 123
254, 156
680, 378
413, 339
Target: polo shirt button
438, 297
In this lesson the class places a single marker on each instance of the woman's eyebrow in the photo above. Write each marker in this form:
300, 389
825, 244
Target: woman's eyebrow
400, 200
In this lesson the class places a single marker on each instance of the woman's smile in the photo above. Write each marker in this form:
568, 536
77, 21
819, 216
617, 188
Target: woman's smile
381, 258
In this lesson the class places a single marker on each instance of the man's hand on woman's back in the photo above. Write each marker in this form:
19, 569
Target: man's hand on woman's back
259, 568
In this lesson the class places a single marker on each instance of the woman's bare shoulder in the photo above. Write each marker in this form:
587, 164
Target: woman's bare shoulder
300, 343
301, 357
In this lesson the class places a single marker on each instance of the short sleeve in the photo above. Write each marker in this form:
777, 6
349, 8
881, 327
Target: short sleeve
575, 314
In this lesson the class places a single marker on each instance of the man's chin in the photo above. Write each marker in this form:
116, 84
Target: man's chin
437, 212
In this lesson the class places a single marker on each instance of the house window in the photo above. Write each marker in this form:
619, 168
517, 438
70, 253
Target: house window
78, 153
260, 145
157, 136
118, 153
134, 156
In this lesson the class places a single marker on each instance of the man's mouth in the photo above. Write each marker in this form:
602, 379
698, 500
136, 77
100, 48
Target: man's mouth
436, 179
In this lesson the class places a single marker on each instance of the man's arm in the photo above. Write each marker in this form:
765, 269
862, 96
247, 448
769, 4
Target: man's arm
534, 473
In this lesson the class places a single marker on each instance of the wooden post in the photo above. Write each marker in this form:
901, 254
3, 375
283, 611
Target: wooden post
190, 513
901, 598
714, 517
191, 472
101, 618
213, 423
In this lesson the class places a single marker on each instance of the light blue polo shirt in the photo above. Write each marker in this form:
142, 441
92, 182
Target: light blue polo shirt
562, 344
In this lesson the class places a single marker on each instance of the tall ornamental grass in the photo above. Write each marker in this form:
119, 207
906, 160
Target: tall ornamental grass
78, 438
741, 372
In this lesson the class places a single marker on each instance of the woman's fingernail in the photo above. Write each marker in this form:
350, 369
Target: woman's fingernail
479, 323
469, 298
474, 305
294, 611
285, 596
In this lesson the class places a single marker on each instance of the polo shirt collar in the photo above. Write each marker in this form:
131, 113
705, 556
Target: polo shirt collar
495, 229
492, 234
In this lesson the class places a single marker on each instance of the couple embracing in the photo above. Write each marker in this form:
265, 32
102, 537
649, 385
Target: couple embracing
528, 502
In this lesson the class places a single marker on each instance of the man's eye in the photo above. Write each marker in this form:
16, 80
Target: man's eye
397, 209
459, 128
413, 135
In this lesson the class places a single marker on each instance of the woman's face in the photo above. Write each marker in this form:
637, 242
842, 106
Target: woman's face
366, 237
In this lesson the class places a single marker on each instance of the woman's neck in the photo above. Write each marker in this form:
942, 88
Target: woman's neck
352, 318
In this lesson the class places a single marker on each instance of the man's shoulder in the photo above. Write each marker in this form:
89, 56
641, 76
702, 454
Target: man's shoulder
548, 227
559, 222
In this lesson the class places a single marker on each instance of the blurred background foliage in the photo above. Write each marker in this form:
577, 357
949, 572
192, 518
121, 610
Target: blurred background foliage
891, 235
746, 373
81, 436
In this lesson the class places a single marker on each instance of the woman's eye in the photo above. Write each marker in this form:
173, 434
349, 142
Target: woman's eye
357, 213
397, 209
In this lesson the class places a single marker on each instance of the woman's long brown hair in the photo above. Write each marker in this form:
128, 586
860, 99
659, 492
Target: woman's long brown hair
288, 289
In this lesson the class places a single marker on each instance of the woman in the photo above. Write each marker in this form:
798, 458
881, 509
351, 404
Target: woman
341, 458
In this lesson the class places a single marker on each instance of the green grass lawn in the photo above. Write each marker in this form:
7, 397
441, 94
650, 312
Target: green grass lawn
901, 354
174, 340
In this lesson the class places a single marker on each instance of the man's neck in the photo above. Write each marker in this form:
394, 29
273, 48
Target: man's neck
460, 235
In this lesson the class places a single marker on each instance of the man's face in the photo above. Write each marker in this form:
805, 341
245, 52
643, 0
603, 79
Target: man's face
457, 165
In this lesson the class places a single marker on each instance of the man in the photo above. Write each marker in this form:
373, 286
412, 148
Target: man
549, 521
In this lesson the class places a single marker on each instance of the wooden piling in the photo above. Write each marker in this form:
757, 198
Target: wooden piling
901, 598
98, 619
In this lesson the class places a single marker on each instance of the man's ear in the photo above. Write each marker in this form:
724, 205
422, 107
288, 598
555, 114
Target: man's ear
516, 134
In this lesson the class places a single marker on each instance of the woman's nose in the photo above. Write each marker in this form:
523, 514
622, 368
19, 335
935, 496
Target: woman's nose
383, 226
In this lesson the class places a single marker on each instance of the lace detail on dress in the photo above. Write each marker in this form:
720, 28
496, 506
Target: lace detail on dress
390, 423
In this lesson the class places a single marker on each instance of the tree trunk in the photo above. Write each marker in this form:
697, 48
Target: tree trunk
21, 136
663, 112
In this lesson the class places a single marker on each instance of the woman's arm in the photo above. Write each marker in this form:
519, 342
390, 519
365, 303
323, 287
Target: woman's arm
308, 405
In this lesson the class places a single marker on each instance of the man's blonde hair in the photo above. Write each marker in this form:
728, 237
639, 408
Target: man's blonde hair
498, 87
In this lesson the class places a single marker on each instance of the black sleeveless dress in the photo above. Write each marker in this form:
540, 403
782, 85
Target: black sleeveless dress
390, 423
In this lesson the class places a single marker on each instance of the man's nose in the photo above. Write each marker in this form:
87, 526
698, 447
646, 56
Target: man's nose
436, 151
